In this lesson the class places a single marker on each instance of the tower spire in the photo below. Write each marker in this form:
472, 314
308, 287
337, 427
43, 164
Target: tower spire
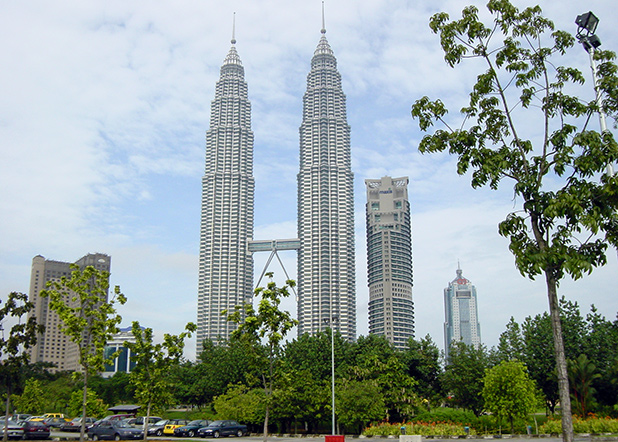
234, 29
323, 31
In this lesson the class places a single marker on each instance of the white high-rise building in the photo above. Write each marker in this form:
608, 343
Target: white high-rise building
461, 313
226, 265
326, 268
389, 260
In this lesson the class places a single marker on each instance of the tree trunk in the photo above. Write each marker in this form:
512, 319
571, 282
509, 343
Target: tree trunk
146, 420
561, 364
266, 423
7, 410
82, 430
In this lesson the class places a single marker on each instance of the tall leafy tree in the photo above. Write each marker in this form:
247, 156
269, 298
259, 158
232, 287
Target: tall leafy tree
88, 318
30, 400
268, 323
378, 363
153, 363
509, 392
422, 359
464, 373
568, 214
22, 336
601, 346
511, 345
359, 403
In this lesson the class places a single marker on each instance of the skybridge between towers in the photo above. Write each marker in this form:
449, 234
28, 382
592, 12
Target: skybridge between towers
273, 246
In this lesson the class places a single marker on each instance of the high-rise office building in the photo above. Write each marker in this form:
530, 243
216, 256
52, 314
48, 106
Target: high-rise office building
389, 260
461, 313
225, 265
52, 345
326, 269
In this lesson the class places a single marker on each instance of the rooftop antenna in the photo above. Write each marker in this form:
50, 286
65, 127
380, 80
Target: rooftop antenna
234, 29
323, 24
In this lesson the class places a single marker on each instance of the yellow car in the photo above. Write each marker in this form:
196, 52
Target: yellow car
174, 423
47, 415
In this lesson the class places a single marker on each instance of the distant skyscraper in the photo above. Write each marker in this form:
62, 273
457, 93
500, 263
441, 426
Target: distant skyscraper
326, 273
226, 266
389, 260
461, 313
53, 346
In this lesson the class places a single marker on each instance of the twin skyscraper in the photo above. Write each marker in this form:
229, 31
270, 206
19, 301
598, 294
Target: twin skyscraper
326, 257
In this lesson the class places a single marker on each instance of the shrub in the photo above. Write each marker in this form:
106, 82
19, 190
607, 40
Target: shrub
421, 428
591, 425
446, 414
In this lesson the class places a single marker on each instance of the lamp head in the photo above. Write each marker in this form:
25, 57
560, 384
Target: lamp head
588, 22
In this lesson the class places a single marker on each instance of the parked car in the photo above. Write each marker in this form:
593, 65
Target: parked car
173, 424
13, 430
190, 430
223, 428
117, 417
46, 415
35, 430
156, 429
76, 424
139, 421
114, 429
20, 417
53, 422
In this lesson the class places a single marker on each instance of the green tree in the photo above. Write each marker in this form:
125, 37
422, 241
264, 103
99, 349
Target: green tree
422, 359
302, 398
582, 374
378, 363
22, 336
30, 400
511, 345
359, 403
540, 357
88, 318
601, 346
567, 216
241, 403
269, 323
153, 363
464, 373
509, 392
95, 407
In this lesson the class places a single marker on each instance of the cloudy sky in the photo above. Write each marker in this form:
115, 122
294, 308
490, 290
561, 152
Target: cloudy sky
103, 113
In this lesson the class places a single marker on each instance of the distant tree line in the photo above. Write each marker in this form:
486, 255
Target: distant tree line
374, 381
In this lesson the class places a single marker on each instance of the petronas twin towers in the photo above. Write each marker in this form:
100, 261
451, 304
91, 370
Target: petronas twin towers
326, 269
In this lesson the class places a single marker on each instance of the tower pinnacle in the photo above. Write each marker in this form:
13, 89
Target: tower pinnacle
234, 29
323, 31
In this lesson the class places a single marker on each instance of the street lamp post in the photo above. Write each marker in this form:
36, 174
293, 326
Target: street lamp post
586, 27
330, 321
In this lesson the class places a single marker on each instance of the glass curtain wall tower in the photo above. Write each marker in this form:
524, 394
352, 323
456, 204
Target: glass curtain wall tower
461, 313
389, 260
326, 268
228, 186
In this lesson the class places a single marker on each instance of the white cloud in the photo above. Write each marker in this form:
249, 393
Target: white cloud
102, 121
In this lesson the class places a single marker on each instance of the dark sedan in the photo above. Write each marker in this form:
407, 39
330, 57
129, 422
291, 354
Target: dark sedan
114, 429
35, 430
76, 424
191, 429
223, 428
